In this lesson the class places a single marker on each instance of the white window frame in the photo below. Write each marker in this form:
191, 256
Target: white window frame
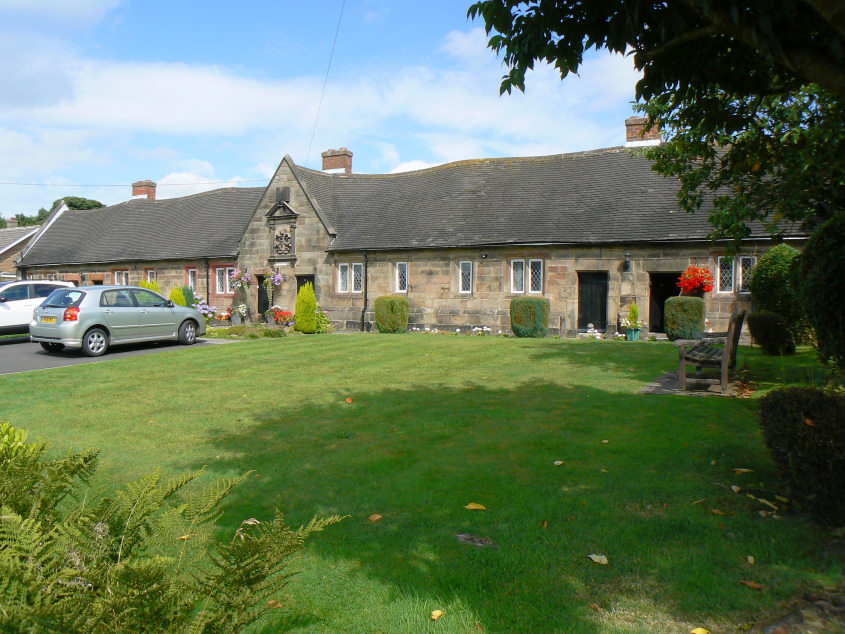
227, 280
343, 277
359, 267
520, 278
530, 277
741, 286
718, 288
121, 277
461, 265
150, 274
192, 279
399, 266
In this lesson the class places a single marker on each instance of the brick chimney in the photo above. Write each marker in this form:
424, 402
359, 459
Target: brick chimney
634, 136
12, 222
337, 161
144, 188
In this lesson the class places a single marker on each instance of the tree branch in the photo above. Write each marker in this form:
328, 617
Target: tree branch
697, 34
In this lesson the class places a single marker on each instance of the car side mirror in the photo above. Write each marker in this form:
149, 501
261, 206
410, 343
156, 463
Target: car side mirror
170, 303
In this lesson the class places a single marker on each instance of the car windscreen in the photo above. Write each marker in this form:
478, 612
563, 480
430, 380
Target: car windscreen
63, 298
2, 284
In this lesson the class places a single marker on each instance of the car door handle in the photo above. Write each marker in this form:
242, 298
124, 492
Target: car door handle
108, 311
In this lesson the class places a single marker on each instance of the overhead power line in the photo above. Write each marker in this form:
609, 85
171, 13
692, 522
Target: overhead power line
69, 185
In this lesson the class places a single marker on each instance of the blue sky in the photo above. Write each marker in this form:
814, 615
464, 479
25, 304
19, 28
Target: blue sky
95, 94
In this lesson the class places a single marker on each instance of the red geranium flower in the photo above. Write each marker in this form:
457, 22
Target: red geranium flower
696, 278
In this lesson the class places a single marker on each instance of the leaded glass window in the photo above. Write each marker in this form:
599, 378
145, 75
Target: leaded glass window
746, 266
535, 269
726, 274
401, 277
357, 278
466, 277
343, 278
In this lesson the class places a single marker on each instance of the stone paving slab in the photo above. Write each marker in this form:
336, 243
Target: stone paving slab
668, 384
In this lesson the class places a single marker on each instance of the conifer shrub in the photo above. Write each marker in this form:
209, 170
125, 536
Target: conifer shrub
683, 317
392, 313
153, 286
178, 297
821, 286
773, 290
188, 294
135, 561
804, 430
305, 319
530, 316
770, 332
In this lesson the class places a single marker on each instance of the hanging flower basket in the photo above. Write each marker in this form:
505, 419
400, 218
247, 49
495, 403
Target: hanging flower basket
695, 281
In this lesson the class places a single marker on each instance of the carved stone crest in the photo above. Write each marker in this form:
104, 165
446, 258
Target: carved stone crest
283, 244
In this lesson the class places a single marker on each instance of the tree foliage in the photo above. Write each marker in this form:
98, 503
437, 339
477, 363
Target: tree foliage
73, 202
141, 560
745, 47
773, 289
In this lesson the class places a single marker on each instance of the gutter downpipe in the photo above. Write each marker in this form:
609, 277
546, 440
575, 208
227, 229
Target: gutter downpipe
207, 282
364, 309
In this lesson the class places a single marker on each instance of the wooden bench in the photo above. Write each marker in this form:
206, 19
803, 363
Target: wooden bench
702, 352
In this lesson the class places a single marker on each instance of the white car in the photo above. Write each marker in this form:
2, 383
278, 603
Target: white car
18, 298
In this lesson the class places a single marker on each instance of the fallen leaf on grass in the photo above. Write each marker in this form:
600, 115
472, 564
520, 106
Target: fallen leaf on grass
781, 498
810, 422
436, 614
735, 488
604, 442
750, 559
717, 512
700, 501
596, 607
375, 517
545, 523
559, 463
738, 471
185, 538
599, 559
700, 630
349, 400
472, 506
604, 470
751, 584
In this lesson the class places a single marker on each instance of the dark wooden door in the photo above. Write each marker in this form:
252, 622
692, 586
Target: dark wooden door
263, 296
302, 280
592, 300
662, 286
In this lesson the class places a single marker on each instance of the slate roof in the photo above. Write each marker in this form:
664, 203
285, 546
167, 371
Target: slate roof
602, 196
204, 225
9, 237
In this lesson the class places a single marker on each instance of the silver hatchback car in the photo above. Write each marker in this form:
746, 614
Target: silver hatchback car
96, 317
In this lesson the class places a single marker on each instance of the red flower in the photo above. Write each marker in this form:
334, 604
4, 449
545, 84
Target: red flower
695, 278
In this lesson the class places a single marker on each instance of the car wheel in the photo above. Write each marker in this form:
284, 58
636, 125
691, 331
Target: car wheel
52, 347
95, 342
188, 332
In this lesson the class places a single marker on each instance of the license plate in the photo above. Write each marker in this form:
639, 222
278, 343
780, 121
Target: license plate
48, 320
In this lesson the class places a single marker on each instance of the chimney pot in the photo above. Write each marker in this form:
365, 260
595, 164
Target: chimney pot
144, 188
12, 222
337, 161
635, 135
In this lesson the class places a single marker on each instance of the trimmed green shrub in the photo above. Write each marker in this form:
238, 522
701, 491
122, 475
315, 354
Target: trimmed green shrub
178, 297
821, 286
804, 430
683, 317
773, 289
392, 312
769, 330
324, 325
153, 286
530, 316
305, 319
147, 558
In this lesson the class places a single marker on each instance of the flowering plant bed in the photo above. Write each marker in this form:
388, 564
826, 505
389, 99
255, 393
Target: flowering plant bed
696, 279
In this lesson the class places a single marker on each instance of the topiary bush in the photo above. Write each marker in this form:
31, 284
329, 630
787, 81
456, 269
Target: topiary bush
770, 331
530, 316
178, 297
804, 430
773, 290
305, 319
821, 286
392, 313
683, 317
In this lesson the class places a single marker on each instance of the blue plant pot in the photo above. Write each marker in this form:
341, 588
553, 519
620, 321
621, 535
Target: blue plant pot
632, 335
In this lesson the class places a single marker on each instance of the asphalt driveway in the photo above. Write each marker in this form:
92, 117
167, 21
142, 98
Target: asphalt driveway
19, 354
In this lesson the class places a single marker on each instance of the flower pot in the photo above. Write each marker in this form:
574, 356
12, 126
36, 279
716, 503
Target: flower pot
632, 335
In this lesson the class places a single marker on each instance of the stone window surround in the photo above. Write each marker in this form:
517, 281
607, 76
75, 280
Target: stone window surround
149, 274
527, 277
348, 277
737, 281
397, 285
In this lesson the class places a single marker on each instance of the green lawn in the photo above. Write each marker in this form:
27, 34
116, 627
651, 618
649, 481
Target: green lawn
437, 422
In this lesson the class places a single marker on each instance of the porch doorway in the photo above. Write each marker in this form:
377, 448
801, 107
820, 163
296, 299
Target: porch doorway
263, 295
662, 286
592, 300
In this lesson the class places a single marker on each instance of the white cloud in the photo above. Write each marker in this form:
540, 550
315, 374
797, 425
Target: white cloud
410, 166
185, 183
60, 10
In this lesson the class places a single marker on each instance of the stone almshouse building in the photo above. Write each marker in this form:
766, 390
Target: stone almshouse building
591, 231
